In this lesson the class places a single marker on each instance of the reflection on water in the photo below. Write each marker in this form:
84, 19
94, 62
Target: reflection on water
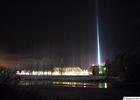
102, 85
67, 84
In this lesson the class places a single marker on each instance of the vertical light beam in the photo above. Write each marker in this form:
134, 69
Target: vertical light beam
98, 42
98, 39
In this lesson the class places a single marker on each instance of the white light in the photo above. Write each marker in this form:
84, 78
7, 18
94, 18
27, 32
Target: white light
98, 47
100, 72
56, 73
34, 72
49, 73
105, 85
98, 40
74, 72
104, 68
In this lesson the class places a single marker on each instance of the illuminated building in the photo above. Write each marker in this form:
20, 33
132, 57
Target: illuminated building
96, 71
56, 71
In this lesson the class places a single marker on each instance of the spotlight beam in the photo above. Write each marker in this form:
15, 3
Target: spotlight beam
98, 42
98, 36
98, 39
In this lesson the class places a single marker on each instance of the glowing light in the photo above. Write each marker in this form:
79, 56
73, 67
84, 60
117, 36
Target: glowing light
104, 68
105, 85
98, 40
93, 64
102, 85
56, 73
67, 71
98, 46
67, 83
100, 72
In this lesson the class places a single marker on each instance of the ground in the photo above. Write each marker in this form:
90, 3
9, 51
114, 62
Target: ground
63, 93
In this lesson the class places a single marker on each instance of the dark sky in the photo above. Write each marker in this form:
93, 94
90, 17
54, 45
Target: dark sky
67, 29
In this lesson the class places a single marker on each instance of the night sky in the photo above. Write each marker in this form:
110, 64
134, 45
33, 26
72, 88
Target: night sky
67, 29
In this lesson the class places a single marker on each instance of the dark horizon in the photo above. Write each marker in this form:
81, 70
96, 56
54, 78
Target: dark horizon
67, 29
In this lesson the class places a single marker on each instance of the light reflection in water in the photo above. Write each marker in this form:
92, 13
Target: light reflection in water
102, 85
66, 84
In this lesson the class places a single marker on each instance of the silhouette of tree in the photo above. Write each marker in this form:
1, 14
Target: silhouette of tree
8, 76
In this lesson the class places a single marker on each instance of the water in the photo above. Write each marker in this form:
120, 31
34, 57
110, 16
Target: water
66, 84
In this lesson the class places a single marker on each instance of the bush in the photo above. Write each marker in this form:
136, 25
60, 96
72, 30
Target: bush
8, 76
